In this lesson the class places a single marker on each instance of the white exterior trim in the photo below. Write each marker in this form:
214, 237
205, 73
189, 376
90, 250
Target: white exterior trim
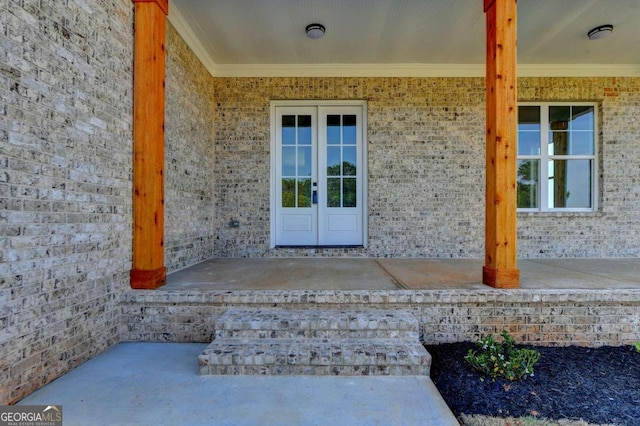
273, 160
544, 158
418, 70
189, 37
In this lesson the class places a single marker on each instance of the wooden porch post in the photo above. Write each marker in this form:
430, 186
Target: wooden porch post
148, 143
500, 265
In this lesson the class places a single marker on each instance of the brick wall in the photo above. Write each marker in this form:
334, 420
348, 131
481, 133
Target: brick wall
539, 317
65, 184
189, 156
613, 230
425, 171
426, 166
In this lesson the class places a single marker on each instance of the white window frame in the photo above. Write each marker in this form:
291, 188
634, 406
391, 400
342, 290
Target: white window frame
544, 157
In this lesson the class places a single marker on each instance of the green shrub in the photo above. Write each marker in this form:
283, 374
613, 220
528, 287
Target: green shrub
637, 345
503, 360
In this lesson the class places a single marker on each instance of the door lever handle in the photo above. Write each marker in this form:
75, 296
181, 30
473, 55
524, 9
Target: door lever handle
314, 195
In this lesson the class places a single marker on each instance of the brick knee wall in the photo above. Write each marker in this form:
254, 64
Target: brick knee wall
539, 317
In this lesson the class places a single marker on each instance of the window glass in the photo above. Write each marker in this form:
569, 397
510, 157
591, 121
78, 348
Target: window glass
528, 194
333, 192
569, 184
582, 117
349, 130
581, 143
304, 161
528, 143
333, 161
529, 118
556, 165
333, 130
349, 192
558, 143
304, 130
304, 192
559, 117
288, 129
288, 161
288, 192
528, 130
349, 161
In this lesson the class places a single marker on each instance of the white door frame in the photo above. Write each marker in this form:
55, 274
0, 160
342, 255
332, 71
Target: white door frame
274, 150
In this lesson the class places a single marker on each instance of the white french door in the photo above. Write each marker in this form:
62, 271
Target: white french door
318, 170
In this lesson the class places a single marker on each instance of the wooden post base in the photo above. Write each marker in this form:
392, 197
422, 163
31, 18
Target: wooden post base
501, 278
148, 280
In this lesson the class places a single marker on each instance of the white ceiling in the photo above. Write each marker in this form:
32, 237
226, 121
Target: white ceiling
374, 37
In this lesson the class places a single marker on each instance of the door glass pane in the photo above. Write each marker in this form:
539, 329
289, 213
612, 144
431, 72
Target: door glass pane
349, 129
288, 161
333, 192
349, 161
582, 117
528, 184
304, 192
288, 129
288, 192
333, 161
349, 192
333, 129
304, 130
581, 143
570, 183
304, 161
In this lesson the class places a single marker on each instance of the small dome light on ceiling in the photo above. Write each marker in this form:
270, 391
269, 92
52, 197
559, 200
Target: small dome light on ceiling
600, 32
315, 30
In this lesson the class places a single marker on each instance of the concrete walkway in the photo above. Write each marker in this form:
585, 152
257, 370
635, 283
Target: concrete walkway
158, 384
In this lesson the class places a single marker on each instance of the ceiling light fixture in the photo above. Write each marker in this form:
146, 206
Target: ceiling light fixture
314, 30
600, 32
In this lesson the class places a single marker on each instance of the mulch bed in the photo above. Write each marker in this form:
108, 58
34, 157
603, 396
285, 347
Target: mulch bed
598, 385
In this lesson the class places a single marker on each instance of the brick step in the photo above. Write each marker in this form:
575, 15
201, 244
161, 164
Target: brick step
315, 324
303, 356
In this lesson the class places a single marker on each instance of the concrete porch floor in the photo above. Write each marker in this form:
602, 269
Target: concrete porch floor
390, 274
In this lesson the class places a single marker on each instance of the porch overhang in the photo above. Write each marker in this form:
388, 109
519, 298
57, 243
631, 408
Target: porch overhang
149, 270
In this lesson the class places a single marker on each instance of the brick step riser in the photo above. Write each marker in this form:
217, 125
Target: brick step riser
232, 352
248, 319
310, 370
324, 342
309, 356
316, 334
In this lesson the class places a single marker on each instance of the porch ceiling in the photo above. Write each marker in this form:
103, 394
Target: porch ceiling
231, 36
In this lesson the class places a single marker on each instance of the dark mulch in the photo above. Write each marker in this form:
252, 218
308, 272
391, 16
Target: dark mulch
598, 385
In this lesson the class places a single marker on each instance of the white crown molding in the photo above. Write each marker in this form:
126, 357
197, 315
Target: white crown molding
420, 70
579, 70
184, 29
350, 70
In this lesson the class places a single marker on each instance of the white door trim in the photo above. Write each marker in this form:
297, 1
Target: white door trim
274, 150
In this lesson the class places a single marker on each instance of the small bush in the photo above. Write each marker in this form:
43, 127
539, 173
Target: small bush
502, 360
637, 345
